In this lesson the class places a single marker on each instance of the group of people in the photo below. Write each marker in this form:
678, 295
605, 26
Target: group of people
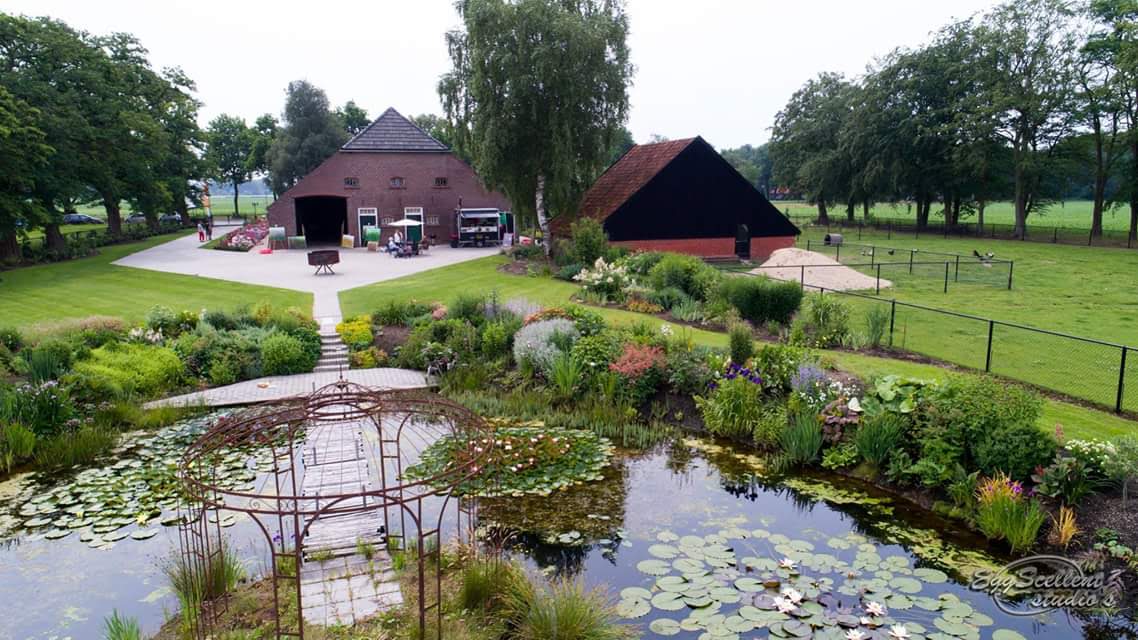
205, 230
399, 247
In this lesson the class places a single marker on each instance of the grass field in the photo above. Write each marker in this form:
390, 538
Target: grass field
93, 286
221, 205
1075, 214
482, 275
1082, 291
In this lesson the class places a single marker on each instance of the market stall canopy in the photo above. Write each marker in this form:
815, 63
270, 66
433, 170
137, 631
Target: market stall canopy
405, 222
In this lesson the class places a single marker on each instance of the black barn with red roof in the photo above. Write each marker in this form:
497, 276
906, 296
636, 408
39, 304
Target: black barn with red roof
681, 195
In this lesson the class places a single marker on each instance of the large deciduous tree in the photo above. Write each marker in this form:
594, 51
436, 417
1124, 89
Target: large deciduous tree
1028, 54
311, 133
228, 154
537, 94
352, 117
22, 155
804, 144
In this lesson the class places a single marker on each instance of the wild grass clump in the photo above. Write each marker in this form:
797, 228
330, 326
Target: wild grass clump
879, 437
487, 584
203, 580
802, 439
1003, 512
118, 627
566, 610
70, 448
17, 443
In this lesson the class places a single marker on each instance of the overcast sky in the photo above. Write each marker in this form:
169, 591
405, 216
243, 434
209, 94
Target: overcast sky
716, 68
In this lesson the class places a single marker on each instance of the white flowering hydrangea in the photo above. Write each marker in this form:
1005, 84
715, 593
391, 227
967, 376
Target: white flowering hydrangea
1093, 453
604, 278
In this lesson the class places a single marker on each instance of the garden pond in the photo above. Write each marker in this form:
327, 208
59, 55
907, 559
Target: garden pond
683, 536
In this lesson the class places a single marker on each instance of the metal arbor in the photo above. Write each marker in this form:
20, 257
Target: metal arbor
331, 501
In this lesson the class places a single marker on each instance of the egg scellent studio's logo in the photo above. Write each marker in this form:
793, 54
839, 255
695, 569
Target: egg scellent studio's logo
1038, 584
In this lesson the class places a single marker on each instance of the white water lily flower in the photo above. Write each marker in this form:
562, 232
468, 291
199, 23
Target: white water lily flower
875, 608
899, 632
794, 595
854, 634
787, 563
784, 605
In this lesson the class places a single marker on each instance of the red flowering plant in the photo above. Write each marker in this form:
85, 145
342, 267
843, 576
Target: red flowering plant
245, 238
641, 367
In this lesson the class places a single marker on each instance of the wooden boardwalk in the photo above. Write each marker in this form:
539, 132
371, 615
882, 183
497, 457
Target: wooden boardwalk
347, 572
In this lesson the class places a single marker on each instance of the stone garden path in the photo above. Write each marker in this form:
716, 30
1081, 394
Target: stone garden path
289, 269
279, 387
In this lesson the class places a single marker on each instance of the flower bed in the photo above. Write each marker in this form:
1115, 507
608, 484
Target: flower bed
245, 238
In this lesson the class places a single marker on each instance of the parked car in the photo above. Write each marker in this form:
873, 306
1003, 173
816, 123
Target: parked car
135, 218
80, 218
170, 218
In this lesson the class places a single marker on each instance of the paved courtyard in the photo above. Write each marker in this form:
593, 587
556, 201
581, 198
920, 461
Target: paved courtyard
289, 269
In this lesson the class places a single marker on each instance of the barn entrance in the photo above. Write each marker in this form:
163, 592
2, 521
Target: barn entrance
322, 219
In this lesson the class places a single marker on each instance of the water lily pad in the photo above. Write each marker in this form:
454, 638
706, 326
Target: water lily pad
143, 534
665, 551
667, 536
668, 601
931, 576
675, 584
906, 585
664, 627
632, 593
1007, 634
653, 567
749, 585
114, 536
633, 608
688, 565
56, 534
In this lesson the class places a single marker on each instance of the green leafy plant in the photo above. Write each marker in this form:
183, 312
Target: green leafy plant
566, 609
17, 443
879, 437
135, 368
802, 439
195, 583
588, 241
732, 408
282, 354
1122, 465
469, 307
778, 364
566, 374
762, 300
741, 343
1066, 478
486, 583
840, 457
356, 333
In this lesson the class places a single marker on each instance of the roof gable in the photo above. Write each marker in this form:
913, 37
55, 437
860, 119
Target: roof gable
393, 132
628, 175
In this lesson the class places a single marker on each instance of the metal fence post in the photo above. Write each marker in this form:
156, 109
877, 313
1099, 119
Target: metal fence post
946, 276
956, 276
808, 244
879, 279
1121, 381
802, 278
838, 253
911, 251
1011, 267
892, 319
988, 358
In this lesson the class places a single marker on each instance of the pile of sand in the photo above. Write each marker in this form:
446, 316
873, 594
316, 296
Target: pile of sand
786, 264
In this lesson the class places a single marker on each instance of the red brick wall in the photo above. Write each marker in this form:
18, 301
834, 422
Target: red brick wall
374, 171
761, 248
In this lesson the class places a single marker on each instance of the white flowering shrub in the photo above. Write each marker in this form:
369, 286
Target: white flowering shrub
1096, 454
605, 279
540, 343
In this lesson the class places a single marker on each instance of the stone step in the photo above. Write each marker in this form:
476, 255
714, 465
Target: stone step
330, 367
333, 359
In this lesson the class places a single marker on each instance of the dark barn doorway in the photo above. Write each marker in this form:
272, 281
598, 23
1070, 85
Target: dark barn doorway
322, 219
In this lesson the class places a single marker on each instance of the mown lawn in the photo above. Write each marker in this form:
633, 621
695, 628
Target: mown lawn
1074, 214
93, 286
482, 275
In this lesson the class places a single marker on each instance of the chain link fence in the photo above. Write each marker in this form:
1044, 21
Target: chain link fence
977, 269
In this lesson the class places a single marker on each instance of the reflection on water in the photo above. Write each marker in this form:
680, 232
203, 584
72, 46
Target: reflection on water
685, 500
713, 511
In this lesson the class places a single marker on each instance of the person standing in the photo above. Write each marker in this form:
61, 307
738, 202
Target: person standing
201, 233
208, 229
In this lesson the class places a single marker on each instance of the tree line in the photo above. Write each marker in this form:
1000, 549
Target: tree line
1024, 103
86, 120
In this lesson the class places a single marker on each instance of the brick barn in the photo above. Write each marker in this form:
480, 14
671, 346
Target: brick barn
389, 171
682, 196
